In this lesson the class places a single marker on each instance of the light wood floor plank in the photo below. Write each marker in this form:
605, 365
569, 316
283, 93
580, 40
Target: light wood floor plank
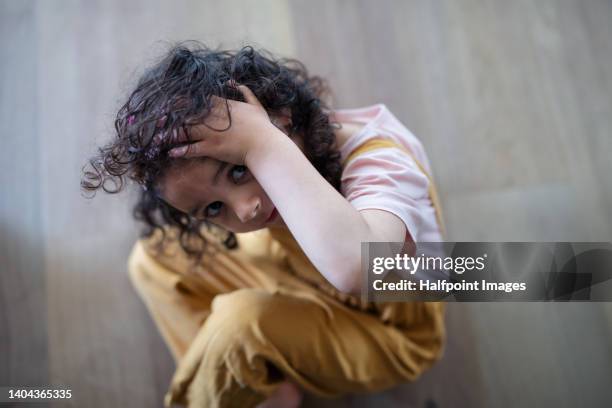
512, 101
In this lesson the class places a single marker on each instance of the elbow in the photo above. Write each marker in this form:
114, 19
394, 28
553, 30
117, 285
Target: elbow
350, 282
354, 289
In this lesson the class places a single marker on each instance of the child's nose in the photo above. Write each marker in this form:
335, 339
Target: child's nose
247, 210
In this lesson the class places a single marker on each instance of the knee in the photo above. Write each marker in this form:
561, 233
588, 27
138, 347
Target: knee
234, 326
242, 307
255, 315
248, 315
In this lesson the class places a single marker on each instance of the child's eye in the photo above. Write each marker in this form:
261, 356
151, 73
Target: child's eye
238, 172
213, 209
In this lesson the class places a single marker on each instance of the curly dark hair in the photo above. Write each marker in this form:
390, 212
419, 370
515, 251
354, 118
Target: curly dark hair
179, 86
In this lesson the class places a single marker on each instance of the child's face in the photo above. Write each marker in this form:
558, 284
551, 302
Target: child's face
222, 193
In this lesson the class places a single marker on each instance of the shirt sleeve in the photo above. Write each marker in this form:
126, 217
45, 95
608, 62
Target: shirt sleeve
387, 179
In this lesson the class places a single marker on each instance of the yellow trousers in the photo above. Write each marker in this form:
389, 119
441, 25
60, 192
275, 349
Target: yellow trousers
246, 320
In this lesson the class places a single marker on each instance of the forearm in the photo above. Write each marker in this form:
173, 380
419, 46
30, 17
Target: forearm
328, 229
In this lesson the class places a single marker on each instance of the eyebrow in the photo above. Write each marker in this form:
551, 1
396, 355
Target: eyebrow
196, 208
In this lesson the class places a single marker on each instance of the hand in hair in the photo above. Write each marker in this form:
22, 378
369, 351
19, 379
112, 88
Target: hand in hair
230, 133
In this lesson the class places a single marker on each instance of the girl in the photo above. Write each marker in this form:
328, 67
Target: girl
255, 199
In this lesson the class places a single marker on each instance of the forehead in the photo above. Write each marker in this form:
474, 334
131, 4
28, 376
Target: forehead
186, 183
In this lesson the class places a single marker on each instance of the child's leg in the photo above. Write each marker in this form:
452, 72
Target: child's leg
254, 340
178, 297
243, 326
177, 313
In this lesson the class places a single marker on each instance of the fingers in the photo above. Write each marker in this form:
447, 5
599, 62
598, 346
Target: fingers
188, 151
180, 135
249, 96
202, 139
198, 144
196, 140
178, 151
217, 120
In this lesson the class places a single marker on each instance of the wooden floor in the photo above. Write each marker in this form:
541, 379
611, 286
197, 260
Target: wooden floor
512, 100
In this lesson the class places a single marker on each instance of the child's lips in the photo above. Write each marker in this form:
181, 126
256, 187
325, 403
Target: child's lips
272, 215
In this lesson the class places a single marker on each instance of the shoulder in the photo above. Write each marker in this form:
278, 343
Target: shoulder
390, 169
346, 131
